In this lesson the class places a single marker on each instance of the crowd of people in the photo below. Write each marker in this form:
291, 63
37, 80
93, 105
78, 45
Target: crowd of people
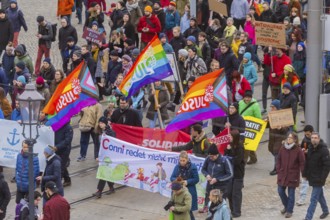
201, 44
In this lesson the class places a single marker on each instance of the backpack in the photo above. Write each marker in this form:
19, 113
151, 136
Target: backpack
54, 28
18, 210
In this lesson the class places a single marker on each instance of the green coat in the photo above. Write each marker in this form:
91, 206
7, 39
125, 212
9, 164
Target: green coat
182, 204
253, 110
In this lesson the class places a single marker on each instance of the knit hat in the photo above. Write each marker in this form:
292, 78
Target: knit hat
95, 23
113, 5
287, 19
40, 18
2, 11
127, 58
148, 8
70, 39
287, 86
192, 39
77, 53
213, 150
248, 93
194, 49
289, 68
114, 53
176, 186
135, 52
173, 4
247, 55
161, 35
49, 151
21, 79
235, 104
103, 120
40, 80
296, 21
183, 52
13, 1
21, 65
158, 3
191, 79
47, 60
51, 185
276, 103
302, 45
129, 41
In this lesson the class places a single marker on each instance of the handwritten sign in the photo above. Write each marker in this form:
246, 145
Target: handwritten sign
281, 118
218, 6
92, 36
270, 34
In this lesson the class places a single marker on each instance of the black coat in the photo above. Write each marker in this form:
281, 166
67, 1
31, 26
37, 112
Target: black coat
289, 101
192, 32
214, 36
161, 16
229, 62
4, 195
7, 33
178, 43
268, 16
64, 33
237, 155
114, 68
63, 139
53, 173
317, 165
282, 11
163, 100
206, 52
126, 117
91, 64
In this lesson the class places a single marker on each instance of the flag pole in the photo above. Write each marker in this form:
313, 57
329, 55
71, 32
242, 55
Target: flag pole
156, 104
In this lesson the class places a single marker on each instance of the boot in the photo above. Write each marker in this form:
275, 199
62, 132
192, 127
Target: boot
98, 194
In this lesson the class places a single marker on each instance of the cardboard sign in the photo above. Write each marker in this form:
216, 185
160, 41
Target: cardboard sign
281, 118
270, 34
219, 7
91, 35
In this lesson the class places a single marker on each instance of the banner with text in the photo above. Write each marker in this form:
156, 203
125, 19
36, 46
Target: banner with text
11, 142
254, 129
92, 36
270, 34
142, 168
221, 140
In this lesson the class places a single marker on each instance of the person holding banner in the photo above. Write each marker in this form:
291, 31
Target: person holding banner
187, 171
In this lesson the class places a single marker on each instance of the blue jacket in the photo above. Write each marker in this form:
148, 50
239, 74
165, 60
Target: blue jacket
239, 9
184, 23
222, 211
16, 115
168, 48
221, 169
3, 79
53, 173
172, 19
192, 179
22, 171
9, 66
250, 73
16, 19
114, 68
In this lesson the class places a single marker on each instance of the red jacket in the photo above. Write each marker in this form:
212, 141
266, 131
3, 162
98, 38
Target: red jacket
245, 85
278, 65
57, 208
289, 165
102, 3
154, 27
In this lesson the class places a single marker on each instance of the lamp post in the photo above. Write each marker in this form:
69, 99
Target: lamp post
29, 102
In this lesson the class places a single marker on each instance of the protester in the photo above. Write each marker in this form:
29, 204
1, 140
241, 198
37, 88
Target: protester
217, 208
43, 90
64, 9
25, 212
288, 99
94, 13
185, 19
47, 71
22, 55
193, 29
229, 30
290, 76
6, 30
58, 78
249, 70
194, 65
239, 86
125, 115
172, 19
4, 195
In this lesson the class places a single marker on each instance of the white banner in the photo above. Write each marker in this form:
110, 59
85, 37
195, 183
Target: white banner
11, 142
128, 164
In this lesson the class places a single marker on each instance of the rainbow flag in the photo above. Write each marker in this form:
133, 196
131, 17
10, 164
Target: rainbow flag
150, 66
74, 93
206, 98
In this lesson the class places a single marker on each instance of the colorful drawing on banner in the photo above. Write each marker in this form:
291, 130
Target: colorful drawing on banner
270, 34
254, 129
207, 98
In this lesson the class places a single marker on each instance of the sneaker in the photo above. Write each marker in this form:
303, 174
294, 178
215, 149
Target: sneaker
273, 173
283, 211
324, 215
251, 162
67, 183
300, 202
264, 111
288, 215
203, 210
13, 180
81, 159
97, 194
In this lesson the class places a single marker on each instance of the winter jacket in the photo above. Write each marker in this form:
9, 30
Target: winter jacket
282, 11
250, 73
53, 86
195, 67
168, 48
190, 174
240, 87
289, 164
53, 173
237, 155
114, 68
117, 17
182, 204
22, 171
184, 23
237, 122
222, 212
276, 137
91, 64
192, 32
163, 100
16, 115
63, 139
250, 29
16, 18
221, 169
48, 74
57, 208
199, 52
90, 116
206, 53
44, 92
93, 16
98, 69
299, 63
228, 33
102, 3
7, 32
213, 36
268, 16
198, 146
229, 62
152, 23
253, 110
64, 33
289, 101
161, 16
135, 13
126, 117
9, 66
27, 60
177, 44
172, 19
4, 194
239, 9
24, 73
278, 67
64, 7
317, 164
46, 34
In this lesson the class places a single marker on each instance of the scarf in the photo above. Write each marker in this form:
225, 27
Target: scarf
184, 171
288, 146
95, 54
213, 208
132, 6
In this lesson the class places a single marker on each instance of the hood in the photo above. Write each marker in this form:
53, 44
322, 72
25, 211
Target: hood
249, 63
20, 48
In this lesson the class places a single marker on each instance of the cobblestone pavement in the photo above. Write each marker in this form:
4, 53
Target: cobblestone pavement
260, 198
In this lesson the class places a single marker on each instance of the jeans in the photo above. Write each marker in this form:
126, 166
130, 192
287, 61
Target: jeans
317, 196
42, 49
152, 123
287, 200
84, 141
303, 189
235, 196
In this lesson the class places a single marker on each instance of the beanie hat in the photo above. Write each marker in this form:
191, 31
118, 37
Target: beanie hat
13, 1
77, 53
289, 68
247, 55
183, 52
173, 4
49, 151
95, 23
51, 185
103, 120
302, 45
235, 104
287, 19
129, 41
21, 79
148, 8
276, 103
287, 86
69, 39
2, 11
114, 53
21, 65
40, 18
213, 150
40, 80
158, 3
194, 49
127, 58
176, 186
192, 39
47, 60
161, 35
113, 5
191, 79
248, 93
296, 21
135, 52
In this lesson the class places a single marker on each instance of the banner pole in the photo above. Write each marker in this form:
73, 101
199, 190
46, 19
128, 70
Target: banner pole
158, 111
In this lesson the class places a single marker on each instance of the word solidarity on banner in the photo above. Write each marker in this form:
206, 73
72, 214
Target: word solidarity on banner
142, 168
11, 142
254, 129
270, 34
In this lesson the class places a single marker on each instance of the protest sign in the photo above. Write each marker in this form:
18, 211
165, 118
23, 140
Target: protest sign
219, 7
150, 137
281, 118
270, 34
128, 164
11, 143
221, 140
254, 129
92, 36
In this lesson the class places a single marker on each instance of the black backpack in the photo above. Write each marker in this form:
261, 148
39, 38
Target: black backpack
54, 28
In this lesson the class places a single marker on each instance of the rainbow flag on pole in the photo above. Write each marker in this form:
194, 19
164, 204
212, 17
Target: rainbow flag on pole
74, 93
207, 98
150, 66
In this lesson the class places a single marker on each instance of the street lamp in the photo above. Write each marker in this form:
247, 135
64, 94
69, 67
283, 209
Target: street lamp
29, 102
